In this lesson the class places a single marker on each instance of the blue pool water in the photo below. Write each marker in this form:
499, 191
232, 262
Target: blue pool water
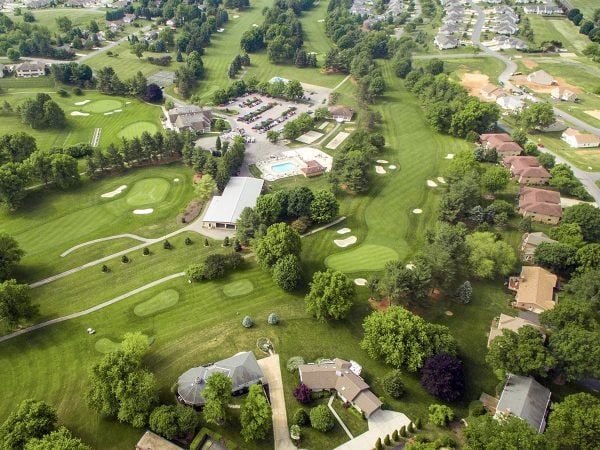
283, 167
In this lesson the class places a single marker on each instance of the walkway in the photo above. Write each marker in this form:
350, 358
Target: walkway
339, 85
104, 239
93, 308
272, 370
381, 423
338, 418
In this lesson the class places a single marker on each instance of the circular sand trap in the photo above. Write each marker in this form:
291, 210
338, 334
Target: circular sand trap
344, 230
449, 313
108, 113
136, 129
82, 102
176, 180
143, 212
158, 303
392, 167
360, 281
117, 191
101, 106
105, 345
382, 161
431, 183
417, 211
441, 180
79, 113
117, 110
236, 17
148, 191
237, 288
449, 156
380, 170
345, 242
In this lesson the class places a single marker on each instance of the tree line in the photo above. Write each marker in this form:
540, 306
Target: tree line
109, 83
292, 90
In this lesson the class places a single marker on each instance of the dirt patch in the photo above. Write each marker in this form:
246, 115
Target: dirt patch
530, 63
521, 80
473, 82
587, 152
568, 55
594, 113
379, 305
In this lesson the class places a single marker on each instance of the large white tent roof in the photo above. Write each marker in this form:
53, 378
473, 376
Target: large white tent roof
240, 193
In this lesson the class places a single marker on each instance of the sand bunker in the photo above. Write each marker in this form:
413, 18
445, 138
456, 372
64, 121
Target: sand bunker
431, 183
236, 17
530, 63
117, 191
255, 25
344, 230
83, 102
321, 20
79, 113
595, 113
345, 242
380, 170
568, 55
392, 167
382, 161
360, 281
143, 211
449, 313
449, 156
118, 110
108, 113
521, 80
441, 180
417, 211
176, 180
127, 103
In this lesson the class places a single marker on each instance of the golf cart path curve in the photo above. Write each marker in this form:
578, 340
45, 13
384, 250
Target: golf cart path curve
108, 238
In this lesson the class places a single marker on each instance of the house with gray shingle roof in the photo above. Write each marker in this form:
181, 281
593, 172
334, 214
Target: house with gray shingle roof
525, 398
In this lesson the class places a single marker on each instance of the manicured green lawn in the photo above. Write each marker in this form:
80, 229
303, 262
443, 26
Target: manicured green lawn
158, 303
587, 7
135, 117
584, 158
364, 257
237, 288
559, 29
51, 222
487, 66
313, 26
148, 191
351, 418
80, 17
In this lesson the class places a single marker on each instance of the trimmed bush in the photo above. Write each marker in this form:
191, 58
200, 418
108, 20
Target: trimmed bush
418, 423
321, 419
302, 394
187, 241
146, 251
300, 417
206, 243
226, 241
294, 362
295, 433
476, 408
440, 415
411, 428
105, 268
247, 322
403, 432
392, 384
378, 444
387, 441
395, 436
124, 259
273, 319
167, 245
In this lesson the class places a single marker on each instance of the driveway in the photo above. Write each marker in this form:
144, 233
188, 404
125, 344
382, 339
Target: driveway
380, 423
272, 371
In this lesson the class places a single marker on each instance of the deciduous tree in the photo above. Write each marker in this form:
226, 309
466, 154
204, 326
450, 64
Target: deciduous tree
287, 272
573, 423
279, 241
32, 419
485, 433
443, 376
331, 295
56, 440
489, 257
255, 415
10, 255
217, 396
15, 302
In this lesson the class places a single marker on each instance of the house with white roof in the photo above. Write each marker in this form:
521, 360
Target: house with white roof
577, 139
510, 102
224, 210
444, 42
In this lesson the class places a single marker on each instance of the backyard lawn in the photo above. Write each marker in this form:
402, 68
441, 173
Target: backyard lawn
80, 17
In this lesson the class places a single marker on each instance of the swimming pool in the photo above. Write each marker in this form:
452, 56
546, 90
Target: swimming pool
283, 167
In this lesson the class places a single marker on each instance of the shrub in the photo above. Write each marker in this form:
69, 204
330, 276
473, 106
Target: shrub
440, 415
321, 419
386, 440
378, 444
226, 241
295, 432
62, 93
206, 243
77, 91
273, 319
395, 436
444, 442
443, 376
124, 259
410, 428
300, 417
188, 241
476, 408
105, 268
392, 384
418, 423
167, 245
294, 362
237, 246
247, 322
403, 432
146, 251
302, 394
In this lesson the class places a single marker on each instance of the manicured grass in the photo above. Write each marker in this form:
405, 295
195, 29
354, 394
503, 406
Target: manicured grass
52, 221
149, 191
105, 345
81, 128
25, 83
559, 29
583, 158
487, 66
80, 17
158, 303
586, 6
313, 26
362, 258
351, 418
237, 288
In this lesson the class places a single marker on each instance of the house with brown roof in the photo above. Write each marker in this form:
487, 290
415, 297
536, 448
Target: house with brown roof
527, 170
312, 169
190, 118
565, 95
506, 322
577, 139
30, 69
341, 113
541, 77
530, 242
343, 377
541, 205
534, 289
491, 92
502, 142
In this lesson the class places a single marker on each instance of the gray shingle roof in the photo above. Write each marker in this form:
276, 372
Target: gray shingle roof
525, 398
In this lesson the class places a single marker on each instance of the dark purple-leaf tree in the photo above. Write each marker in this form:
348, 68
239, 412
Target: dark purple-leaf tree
443, 376
302, 394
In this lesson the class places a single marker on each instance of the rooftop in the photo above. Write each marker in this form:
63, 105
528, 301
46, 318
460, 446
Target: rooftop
536, 286
240, 193
525, 398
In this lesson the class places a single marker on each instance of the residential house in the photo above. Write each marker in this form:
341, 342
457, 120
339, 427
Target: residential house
509, 43
312, 169
129, 18
534, 289
505, 322
449, 28
444, 42
242, 368
115, 25
31, 69
35, 4
491, 92
505, 10
505, 28
565, 95
170, 23
541, 77
341, 113
530, 242
544, 10
526, 170
151, 441
190, 118
577, 139
2, 67
453, 17
502, 142
344, 378
525, 398
541, 205
510, 103
224, 210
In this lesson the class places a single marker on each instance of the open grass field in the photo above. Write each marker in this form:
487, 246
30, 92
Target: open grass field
134, 118
52, 222
560, 29
313, 25
158, 303
587, 7
584, 158
487, 66
80, 17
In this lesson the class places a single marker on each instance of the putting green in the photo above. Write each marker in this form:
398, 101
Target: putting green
137, 128
102, 106
365, 257
148, 191
105, 345
158, 303
237, 288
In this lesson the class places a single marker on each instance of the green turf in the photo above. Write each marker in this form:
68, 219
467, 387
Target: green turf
587, 7
148, 191
80, 17
101, 106
363, 258
136, 129
105, 345
560, 29
158, 303
351, 418
237, 288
